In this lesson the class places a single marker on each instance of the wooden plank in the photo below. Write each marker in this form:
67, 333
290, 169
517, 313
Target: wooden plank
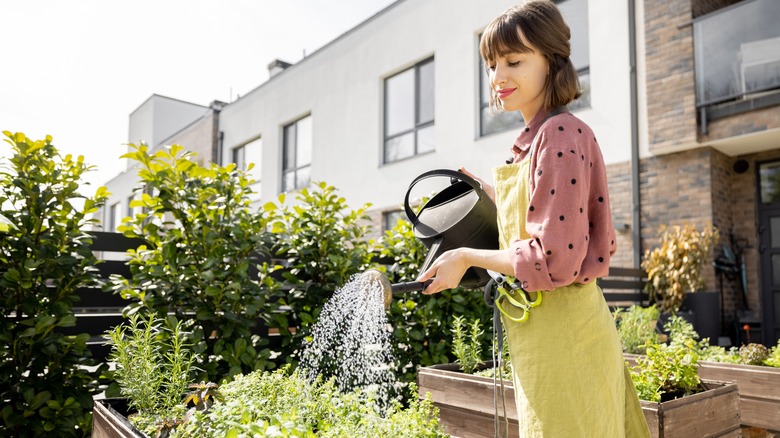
759, 390
714, 412
108, 423
616, 283
94, 324
464, 423
754, 381
617, 271
108, 267
91, 298
614, 297
113, 242
465, 391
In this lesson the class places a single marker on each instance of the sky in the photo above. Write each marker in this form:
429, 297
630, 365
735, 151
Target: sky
76, 69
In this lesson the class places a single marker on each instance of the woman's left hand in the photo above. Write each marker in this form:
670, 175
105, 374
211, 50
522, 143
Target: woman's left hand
448, 270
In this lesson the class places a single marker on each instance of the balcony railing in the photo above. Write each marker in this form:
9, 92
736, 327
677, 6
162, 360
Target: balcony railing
737, 58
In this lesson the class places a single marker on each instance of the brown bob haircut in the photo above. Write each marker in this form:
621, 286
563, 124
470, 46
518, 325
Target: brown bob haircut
543, 26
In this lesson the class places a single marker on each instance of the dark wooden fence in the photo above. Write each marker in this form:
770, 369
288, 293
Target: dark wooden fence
624, 287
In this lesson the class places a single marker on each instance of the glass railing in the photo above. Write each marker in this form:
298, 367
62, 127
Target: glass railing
737, 51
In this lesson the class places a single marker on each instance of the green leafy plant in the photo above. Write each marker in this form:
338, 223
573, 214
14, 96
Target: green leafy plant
46, 378
774, 356
323, 242
205, 260
153, 364
636, 327
670, 371
666, 372
278, 404
674, 266
467, 343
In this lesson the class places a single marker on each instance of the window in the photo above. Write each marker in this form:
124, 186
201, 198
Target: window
575, 13
250, 153
390, 218
130, 209
296, 155
113, 217
409, 113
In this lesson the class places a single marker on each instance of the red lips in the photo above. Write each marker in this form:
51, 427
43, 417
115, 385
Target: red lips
505, 92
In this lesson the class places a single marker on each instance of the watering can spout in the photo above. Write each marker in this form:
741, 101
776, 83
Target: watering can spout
389, 289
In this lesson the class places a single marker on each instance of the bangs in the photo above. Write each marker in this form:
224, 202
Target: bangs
501, 38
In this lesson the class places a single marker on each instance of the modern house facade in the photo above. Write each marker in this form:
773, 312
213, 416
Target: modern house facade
687, 115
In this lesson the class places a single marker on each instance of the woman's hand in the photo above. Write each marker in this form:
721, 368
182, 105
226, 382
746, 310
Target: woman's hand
485, 186
448, 269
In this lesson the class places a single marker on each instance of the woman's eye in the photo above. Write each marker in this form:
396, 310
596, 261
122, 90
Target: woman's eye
492, 67
514, 64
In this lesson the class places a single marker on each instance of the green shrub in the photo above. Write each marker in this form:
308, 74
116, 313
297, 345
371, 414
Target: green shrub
203, 240
324, 243
45, 257
636, 327
277, 404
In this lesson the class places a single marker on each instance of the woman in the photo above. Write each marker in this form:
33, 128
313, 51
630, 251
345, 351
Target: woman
556, 238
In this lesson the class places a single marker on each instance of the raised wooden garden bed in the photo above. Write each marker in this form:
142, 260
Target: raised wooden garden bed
758, 387
759, 391
466, 407
712, 413
109, 420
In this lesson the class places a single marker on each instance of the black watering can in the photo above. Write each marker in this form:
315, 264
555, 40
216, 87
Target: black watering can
461, 215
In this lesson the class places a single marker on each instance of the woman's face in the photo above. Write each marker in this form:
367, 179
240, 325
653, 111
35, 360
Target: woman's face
518, 79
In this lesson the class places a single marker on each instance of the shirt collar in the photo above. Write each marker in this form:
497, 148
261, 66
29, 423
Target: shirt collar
526, 137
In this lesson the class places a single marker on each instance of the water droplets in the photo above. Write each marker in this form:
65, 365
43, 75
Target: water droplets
351, 341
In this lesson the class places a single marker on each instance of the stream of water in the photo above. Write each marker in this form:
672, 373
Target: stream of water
351, 341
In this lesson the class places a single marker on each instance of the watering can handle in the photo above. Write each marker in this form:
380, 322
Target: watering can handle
439, 172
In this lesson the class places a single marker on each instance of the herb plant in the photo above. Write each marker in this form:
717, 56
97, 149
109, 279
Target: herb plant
636, 327
467, 343
278, 404
153, 364
666, 372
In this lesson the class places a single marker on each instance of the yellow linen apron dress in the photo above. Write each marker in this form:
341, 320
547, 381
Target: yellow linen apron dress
569, 374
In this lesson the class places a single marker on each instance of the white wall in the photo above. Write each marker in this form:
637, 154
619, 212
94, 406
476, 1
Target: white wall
341, 86
160, 117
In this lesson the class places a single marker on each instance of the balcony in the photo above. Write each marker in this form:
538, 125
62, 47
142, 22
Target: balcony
737, 60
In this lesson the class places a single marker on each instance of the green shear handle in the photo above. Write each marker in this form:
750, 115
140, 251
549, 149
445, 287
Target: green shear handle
516, 296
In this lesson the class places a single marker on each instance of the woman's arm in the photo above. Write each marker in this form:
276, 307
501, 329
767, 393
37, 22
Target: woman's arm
450, 266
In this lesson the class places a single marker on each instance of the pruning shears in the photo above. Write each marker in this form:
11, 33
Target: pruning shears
510, 291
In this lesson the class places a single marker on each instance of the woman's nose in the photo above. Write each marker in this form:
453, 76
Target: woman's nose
497, 76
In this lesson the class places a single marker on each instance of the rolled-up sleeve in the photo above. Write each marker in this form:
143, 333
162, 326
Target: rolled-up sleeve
557, 218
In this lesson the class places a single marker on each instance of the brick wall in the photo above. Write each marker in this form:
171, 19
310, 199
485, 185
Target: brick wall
746, 123
671, 101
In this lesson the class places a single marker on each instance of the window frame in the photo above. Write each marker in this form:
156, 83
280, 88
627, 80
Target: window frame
417, 126
295, 168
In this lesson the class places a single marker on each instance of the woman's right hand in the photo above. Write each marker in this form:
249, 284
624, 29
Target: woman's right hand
485, 186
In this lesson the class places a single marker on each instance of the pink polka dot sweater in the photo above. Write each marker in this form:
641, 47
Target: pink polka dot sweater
568, 215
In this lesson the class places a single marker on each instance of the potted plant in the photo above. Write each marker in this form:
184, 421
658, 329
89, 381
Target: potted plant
674, 270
